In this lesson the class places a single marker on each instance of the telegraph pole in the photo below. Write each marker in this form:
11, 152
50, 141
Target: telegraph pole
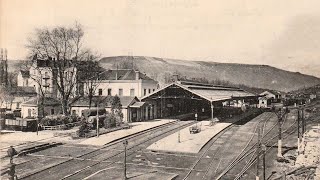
298, 131
264, 149
281, 114
258, 154
125, 143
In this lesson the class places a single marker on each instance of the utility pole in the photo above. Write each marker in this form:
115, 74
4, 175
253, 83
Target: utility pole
97, 119
125, 143
281, 114
258, 154
298, 131
264, 150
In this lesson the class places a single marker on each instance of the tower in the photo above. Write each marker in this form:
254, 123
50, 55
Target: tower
5, 67
1, 67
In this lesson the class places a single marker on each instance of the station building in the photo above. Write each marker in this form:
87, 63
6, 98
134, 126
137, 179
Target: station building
183, 97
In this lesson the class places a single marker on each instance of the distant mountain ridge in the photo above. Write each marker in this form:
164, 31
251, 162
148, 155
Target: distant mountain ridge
260, 76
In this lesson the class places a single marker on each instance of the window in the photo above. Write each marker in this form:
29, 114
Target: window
153, 90
131, 92
120, 92
29, 112
74, 112
144, 91
149, 91
100, 92
109, 92
52, 111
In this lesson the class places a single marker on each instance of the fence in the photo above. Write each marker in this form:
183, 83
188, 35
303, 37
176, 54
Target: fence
61, 127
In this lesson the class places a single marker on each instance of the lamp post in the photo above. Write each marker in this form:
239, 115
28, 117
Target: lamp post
125, 143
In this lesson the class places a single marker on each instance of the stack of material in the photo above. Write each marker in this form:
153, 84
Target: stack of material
307, 164
311, 150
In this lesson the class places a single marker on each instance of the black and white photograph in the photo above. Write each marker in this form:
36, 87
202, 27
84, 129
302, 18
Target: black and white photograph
159, 90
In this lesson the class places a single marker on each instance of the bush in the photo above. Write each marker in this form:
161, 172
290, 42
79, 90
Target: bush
110, 120
83, 129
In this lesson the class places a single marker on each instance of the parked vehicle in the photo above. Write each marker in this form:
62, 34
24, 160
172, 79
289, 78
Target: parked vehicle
90, 116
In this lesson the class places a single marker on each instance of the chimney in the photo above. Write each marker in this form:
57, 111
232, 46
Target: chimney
137, 75
175, 77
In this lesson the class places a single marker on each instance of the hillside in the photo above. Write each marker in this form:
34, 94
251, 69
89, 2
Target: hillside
260, 76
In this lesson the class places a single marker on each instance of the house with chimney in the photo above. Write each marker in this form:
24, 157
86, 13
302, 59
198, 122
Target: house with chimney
124, 82
128, 84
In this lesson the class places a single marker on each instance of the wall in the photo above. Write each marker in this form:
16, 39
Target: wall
126, 85
124, 111
47, 110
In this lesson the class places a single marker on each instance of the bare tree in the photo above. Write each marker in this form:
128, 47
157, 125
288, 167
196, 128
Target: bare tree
63, 46
89, 76
6, 97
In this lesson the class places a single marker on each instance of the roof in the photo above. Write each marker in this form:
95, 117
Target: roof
84, 101
25, 73
137, 104
47, 102
123, 74
274, 92
23, 91
209, 92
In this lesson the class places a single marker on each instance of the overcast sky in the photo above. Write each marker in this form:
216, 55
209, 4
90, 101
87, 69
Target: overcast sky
284, 33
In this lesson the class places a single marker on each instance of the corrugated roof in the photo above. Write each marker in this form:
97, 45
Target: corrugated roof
213, 93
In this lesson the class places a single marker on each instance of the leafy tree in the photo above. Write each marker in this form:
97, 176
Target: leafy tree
116, 108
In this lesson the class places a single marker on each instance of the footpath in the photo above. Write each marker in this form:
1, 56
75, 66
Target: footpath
136, 127
189, 143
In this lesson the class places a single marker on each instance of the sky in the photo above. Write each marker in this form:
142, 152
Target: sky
284, 34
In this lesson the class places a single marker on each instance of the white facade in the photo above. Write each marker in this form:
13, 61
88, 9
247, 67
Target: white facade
137, 88
42, 77
31, 111
270, 95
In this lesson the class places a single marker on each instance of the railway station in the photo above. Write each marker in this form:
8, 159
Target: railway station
183, 99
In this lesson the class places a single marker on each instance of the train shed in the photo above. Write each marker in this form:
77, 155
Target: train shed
183, 97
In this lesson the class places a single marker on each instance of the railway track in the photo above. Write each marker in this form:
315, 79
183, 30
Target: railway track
233, 128
249, 147
269, 143
251, 151
140, 138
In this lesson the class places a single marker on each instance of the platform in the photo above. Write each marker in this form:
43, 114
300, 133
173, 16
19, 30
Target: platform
189, 143
136, 128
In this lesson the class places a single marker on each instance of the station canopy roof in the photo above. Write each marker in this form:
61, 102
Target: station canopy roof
211, 93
